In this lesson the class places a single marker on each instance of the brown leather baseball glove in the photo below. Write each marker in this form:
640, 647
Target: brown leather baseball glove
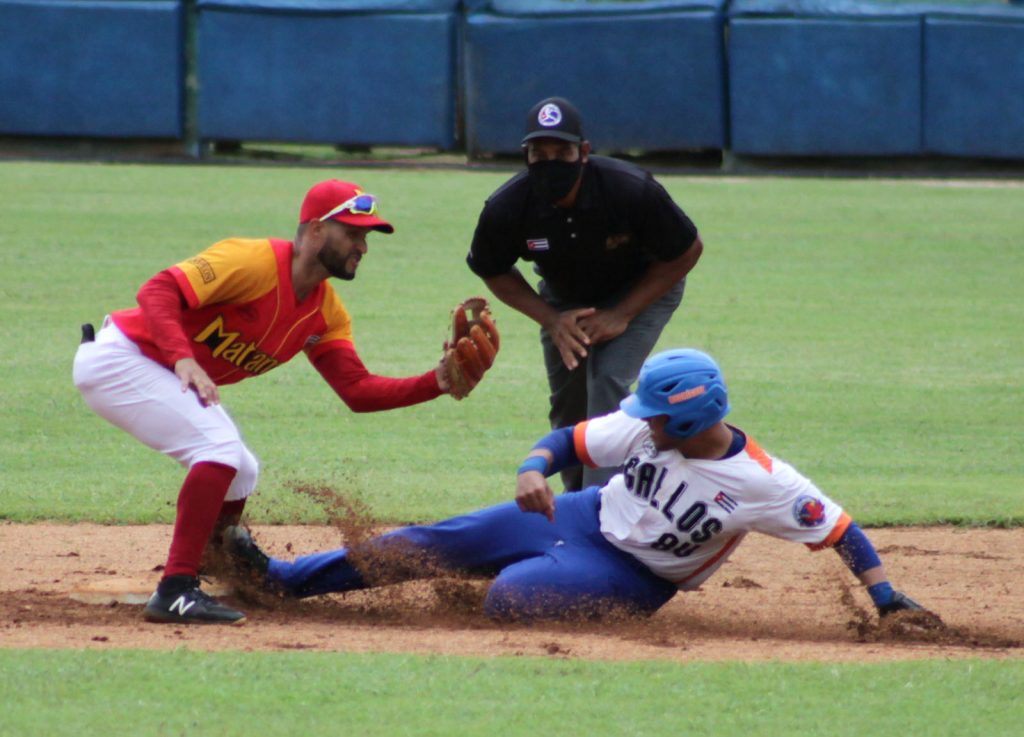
473, 345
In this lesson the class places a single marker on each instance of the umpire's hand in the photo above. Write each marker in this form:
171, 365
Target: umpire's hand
569, 337
603, 325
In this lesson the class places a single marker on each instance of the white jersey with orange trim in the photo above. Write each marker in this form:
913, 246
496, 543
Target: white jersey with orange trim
682, 517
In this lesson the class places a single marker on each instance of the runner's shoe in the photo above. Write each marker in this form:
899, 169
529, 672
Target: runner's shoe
245, 553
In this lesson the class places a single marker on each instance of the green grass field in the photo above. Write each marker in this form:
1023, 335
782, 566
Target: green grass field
869, 330
240, 695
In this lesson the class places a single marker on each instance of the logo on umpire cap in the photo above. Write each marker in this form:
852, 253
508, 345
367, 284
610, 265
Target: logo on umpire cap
550, 115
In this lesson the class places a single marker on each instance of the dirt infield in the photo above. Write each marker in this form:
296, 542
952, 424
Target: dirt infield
772, 601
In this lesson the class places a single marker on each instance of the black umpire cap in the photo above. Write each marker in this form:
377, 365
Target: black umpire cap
554, 117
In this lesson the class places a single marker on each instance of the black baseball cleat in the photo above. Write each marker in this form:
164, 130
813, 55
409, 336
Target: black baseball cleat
900, 603
245, 553
179, 600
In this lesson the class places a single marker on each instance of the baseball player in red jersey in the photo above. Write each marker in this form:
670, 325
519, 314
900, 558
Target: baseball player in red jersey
238, 309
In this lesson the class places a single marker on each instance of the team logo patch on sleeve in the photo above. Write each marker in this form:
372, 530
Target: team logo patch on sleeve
809, 511
203, 267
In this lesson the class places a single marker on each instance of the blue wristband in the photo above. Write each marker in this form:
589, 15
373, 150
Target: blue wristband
534, 463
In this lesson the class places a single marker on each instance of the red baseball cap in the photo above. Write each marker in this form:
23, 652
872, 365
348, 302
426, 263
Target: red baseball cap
344, 202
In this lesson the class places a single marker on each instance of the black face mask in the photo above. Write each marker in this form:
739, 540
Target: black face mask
553, 179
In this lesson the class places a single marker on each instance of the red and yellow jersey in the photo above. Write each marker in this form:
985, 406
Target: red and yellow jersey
242, 317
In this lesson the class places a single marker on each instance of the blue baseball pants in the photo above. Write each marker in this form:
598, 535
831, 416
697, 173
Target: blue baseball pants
542, 570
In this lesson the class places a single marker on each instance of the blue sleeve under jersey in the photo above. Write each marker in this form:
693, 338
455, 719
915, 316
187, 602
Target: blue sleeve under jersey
563, 450
860, 555
856, 550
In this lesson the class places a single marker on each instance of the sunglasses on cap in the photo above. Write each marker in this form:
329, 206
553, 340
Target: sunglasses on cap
361, 204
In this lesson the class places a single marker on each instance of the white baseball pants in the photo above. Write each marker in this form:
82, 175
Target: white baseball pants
145, 400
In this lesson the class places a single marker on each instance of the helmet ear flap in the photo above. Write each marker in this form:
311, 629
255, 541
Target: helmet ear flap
679, 428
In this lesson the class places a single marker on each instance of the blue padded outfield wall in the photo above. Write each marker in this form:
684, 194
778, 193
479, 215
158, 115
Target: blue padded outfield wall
974, 83
645, 75
837, 79
848, 77
91, 68
766, 78
333, 71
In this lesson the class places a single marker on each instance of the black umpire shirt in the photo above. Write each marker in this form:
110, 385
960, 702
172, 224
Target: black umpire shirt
622, 221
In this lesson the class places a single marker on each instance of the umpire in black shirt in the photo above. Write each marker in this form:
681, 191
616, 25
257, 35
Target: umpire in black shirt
612, 250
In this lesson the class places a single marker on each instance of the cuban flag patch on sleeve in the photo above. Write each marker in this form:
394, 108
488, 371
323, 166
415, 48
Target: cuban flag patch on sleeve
537, 244
726, 502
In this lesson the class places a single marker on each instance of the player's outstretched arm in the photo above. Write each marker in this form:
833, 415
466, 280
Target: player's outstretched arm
862, 559
362, 391
549, 455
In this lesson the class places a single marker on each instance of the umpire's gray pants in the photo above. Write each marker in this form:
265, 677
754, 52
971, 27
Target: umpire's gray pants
604, 377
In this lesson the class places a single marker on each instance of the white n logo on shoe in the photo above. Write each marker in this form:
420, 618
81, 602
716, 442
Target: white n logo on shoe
182, 605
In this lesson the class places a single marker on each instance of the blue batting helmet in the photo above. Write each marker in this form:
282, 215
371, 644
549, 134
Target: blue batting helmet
684, 384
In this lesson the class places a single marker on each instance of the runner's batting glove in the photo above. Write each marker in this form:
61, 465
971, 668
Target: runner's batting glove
472, 347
